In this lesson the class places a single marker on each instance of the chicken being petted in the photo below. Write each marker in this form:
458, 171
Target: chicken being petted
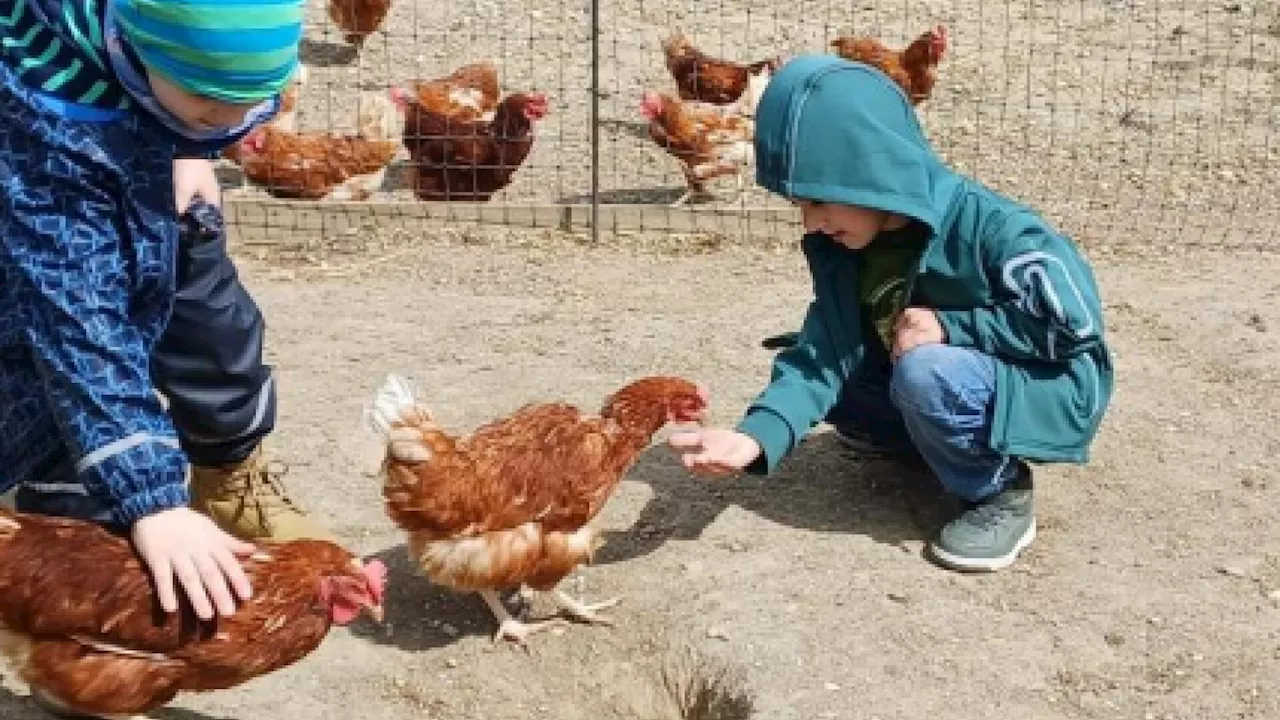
79, 621
509, 506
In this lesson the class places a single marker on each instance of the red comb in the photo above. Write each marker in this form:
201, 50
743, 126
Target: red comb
376, 573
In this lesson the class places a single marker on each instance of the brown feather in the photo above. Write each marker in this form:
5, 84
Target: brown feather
700, 77
510, 504
81, 620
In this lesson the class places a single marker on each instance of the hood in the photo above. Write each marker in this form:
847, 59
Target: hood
831, 130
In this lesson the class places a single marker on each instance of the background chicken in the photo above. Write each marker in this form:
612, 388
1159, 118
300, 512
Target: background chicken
703, 78
510, 505
708, 141
468, 93
315, 165
454, 158
914, 69
357, 18
81, 625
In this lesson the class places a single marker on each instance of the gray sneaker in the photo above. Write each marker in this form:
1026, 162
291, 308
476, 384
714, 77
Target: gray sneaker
990, 533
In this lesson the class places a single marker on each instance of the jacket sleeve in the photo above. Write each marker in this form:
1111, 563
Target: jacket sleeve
1047, 305
84, 337
807, 377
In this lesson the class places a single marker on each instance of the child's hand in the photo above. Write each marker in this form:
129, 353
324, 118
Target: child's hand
712, 451
183, 542
916, 326
191, 177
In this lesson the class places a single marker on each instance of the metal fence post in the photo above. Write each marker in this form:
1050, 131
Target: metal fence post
595, 122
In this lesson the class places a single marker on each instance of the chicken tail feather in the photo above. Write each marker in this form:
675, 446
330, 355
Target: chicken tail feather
398, 418
393, 400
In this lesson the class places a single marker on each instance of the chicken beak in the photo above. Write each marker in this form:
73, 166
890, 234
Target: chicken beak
376, 613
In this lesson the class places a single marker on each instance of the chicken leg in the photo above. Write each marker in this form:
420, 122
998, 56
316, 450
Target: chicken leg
510, 628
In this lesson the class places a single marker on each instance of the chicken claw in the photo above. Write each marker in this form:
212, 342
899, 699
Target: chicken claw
518, 632
587, 613
510, 628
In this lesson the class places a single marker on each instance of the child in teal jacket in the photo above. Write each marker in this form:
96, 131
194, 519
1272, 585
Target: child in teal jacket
940, 308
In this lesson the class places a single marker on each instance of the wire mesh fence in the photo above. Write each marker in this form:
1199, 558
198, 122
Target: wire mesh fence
1127, 120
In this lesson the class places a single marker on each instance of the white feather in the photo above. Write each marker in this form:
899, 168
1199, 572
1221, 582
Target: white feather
392, 401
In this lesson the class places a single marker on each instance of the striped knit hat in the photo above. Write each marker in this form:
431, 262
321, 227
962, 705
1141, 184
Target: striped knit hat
237, 51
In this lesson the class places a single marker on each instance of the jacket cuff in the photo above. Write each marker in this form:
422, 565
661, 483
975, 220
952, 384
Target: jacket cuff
149, 502
774, 435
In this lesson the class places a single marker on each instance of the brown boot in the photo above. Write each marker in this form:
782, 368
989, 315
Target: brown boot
248, 501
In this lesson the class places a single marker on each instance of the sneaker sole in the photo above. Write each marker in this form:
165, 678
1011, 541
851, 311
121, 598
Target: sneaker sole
956, 562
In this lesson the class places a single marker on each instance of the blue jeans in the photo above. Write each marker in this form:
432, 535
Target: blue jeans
937, 400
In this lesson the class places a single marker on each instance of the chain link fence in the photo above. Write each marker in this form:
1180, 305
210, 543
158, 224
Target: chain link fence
1142, 121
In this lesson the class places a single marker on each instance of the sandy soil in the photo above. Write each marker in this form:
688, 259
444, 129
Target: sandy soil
1152, 592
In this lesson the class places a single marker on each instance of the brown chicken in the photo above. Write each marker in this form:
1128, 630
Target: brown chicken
708, 141
510, 505
914, 69
81, 625
358, 18
706, 79
287, 118
314, 165
468, 93
468, 160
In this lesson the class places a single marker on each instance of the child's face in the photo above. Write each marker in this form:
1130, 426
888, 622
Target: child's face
852, 226
197, 111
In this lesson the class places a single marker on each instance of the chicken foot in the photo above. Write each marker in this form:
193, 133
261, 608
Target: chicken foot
584, 612
510, 628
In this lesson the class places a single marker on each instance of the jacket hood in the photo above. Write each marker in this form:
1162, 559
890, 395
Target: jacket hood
831, 130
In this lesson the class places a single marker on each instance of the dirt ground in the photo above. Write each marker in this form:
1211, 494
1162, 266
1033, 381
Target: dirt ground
1153, 590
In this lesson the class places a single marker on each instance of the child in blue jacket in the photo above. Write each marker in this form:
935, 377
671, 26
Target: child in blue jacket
100, 101
941, 309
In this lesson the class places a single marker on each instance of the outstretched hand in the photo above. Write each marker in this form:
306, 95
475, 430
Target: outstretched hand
184, 543
714, 451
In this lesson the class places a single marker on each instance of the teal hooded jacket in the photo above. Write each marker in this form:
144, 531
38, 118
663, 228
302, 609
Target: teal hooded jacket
999, 278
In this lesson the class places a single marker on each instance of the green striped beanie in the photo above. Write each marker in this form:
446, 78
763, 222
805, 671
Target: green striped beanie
237, 51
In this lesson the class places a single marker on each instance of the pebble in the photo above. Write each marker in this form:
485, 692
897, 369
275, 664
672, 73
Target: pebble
717, 633
1244, 567
832, 687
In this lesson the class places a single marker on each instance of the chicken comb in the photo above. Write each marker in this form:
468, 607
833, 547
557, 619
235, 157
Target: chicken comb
377, 574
